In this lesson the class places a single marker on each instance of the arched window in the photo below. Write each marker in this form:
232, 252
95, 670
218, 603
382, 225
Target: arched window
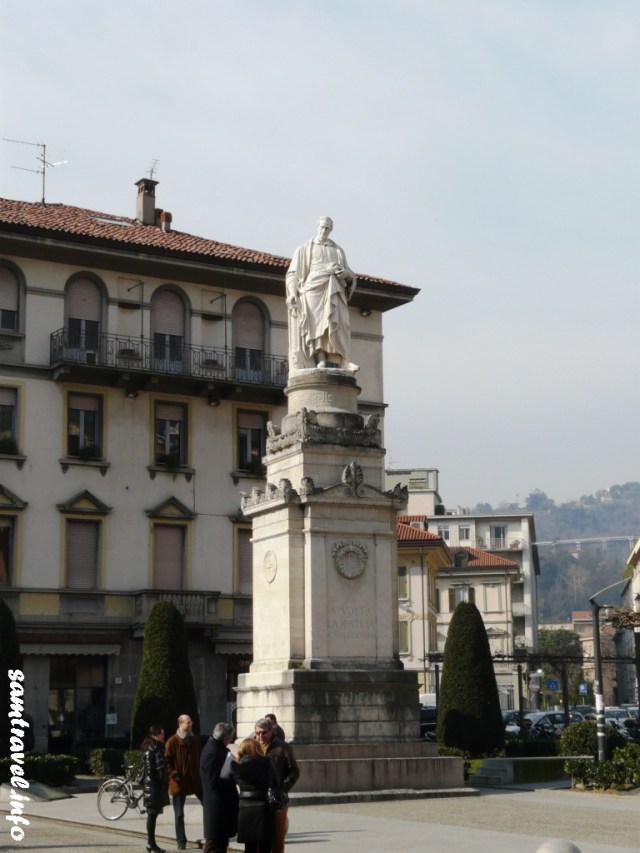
9, 300
249, 341
84, 312
168, 327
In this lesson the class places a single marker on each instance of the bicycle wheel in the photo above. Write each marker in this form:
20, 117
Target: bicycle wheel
113, 799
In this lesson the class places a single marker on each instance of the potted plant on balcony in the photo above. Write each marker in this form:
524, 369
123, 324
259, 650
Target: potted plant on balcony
170, 461
90, 452
8, 445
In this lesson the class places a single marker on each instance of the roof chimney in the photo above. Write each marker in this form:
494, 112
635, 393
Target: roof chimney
165, 220
146, 201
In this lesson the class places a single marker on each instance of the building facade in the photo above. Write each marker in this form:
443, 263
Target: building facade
139, 368
493, 562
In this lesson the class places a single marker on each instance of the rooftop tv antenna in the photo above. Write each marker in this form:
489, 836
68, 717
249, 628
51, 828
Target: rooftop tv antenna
41, 156
153, 167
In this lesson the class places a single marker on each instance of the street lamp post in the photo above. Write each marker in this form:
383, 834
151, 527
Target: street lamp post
597, 676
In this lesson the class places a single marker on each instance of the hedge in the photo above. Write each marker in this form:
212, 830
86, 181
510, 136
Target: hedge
52, 770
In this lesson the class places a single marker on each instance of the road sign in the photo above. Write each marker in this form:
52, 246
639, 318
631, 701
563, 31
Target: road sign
552, 685
583, 689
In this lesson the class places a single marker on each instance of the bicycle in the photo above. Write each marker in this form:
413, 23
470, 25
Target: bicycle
117, 794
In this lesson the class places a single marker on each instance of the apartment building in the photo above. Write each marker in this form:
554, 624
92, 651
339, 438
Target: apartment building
139, 368
493, 562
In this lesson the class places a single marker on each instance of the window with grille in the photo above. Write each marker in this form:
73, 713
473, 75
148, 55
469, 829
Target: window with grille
252, 427
168, 556
170, 434
403, 638
82, 554
8, 424
84, 305
460, 593
168, 324
84, 426
403, 582
249, 341
9, 291
245, 561
7, 527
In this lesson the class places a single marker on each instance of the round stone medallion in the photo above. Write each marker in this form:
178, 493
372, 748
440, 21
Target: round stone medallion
270, 566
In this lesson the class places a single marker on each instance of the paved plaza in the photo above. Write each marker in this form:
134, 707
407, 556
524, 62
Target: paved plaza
505, 821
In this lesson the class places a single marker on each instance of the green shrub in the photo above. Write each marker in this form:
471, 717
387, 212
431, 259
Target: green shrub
622, 770
52, 770
469, 715
165, 684
582, 739
82, 749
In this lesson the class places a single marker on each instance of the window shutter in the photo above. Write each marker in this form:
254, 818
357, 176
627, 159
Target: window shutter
168, 556
84, 300
249, 326
452, 600
437, 602
245, 562
8, 396
251, 420
168, 314
87, 404
82, 554
169, 412
403, 637
471, 594
8, 290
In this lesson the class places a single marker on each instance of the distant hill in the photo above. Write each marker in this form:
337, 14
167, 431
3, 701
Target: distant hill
570, 574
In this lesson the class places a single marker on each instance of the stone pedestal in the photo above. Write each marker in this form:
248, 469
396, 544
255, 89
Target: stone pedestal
325, 647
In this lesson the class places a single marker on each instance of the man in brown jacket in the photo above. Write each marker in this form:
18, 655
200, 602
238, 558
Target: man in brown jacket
182, 754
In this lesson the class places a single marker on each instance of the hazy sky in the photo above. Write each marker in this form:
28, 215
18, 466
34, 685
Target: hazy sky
485, 151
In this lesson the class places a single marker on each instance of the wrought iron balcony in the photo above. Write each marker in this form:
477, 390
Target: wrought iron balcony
166, 356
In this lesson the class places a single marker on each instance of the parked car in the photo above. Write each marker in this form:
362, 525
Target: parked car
553, 721
428, 719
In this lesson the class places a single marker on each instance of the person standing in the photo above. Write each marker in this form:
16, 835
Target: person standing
278, 731
286, 770
182, 753
219, 794
155, 783
254, 775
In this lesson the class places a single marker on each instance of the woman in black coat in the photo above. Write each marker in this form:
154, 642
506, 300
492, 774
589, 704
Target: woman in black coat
155, 783
254, 774
219, 793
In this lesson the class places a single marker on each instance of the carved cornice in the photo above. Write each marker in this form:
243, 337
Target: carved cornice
283, 492
307, 430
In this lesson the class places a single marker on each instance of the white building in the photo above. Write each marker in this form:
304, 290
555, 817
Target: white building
493, 562
139, 367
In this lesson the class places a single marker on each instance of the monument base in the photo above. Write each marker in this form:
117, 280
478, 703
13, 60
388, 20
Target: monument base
333, 706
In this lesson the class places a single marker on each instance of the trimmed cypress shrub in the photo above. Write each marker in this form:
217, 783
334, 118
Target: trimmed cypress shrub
469, 715
165, 684
10, 659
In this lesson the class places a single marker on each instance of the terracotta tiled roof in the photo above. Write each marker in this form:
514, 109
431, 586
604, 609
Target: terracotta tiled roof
406, 533
78, 224
483, 559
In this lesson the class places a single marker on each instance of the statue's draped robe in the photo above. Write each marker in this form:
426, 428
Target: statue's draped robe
323, 313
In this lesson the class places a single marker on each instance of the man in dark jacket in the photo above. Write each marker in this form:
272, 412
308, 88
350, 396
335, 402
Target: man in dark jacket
219, 794
287, 773
182, 753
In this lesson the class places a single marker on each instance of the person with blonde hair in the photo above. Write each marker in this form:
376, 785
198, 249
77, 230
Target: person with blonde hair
254, 775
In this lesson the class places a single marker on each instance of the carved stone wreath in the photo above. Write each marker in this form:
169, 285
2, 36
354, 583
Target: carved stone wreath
350, 558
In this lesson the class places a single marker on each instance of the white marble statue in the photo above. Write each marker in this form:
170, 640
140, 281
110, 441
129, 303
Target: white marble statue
319, 287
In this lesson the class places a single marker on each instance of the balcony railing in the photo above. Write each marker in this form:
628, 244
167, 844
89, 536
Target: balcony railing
194, 607
143, 355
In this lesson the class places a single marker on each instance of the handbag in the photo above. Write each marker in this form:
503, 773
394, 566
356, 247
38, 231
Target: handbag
277, 799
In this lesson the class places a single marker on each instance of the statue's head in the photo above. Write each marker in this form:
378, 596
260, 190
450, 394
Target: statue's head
324, 227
